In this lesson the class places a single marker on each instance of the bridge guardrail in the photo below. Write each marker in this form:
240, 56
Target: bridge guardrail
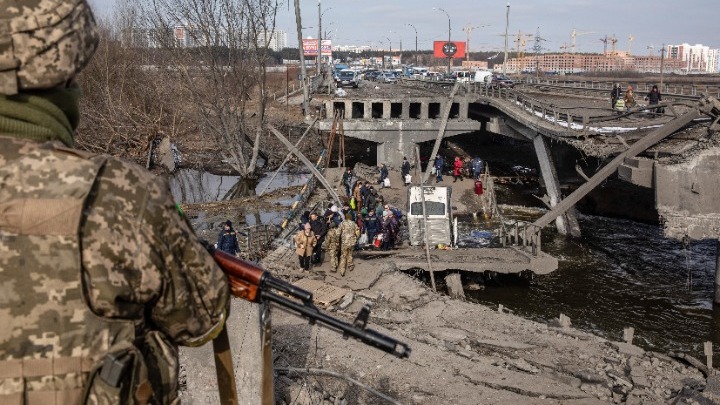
565, 117
669, 91
522, 233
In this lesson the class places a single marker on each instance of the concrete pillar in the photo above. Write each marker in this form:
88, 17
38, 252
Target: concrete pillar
405, 110
424, 110
244, 330
367, 110
464, 107
454, 284
717, 273
330, 110
386, 110
567, 223
391, 153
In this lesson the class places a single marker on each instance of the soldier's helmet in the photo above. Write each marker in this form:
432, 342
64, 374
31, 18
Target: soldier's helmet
44, 43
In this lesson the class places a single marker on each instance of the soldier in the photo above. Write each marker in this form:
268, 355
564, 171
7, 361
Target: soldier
332, 245
102, 278
349, 233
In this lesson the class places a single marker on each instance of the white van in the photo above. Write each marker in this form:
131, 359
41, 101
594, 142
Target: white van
464, 76
439, 218
483, 76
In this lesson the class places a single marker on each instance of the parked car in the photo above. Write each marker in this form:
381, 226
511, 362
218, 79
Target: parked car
372, 74
502, 81
387, 77
347, 78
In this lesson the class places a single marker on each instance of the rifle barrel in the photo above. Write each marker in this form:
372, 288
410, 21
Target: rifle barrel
367, 336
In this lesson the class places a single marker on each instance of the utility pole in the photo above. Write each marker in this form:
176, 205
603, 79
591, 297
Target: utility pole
449, 36
319, 55
416, 44
507, 23
391, 58
303, 72
662, 66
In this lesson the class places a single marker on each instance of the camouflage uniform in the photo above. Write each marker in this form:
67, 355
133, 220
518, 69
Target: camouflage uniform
332, 245
349, 233
96, 264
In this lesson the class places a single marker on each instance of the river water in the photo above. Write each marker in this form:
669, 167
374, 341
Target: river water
620, 273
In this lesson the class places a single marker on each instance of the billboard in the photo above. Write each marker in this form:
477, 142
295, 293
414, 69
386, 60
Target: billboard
452, 49
310, 47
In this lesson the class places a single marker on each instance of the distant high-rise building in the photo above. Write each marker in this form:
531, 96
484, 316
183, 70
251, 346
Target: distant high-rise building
697, 58
277, 40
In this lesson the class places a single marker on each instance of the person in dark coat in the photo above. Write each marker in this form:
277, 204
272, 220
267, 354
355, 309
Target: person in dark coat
654, 97
615, 95
372, 225
319, 228
371, 198
227, 240
405, 169
389, 231
348, 180
383, 175
439, 167
477, 165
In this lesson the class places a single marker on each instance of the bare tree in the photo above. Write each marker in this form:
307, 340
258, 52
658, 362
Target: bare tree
218, 50
124, 104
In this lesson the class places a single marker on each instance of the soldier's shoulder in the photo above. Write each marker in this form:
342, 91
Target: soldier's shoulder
130, 176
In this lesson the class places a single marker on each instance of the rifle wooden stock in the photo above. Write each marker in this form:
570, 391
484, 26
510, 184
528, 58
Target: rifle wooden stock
244, 278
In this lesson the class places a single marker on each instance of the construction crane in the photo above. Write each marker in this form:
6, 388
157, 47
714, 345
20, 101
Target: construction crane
564, 46
468, 30
520, 44
604, 41
575, 34
613, 42
630, 39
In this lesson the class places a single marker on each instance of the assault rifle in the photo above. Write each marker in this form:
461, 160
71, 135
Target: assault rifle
255, 284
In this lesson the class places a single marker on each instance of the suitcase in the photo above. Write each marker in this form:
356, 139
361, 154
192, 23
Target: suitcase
478, 187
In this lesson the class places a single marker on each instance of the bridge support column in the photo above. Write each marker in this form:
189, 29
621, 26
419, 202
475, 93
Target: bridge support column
717, 273
566, 223
463, 110
392, 153
386, 110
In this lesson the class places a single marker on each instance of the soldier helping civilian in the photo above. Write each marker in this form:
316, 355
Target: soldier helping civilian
102, 277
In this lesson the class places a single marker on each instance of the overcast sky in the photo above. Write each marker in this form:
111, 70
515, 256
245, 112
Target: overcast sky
373, 22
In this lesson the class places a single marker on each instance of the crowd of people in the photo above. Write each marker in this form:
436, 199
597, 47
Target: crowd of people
461, 168
620, 101
365, 221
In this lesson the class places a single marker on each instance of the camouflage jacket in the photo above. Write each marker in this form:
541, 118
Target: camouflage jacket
349, 233
332, 238
95, 259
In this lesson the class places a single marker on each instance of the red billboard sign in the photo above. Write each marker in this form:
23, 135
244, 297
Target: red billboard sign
310, 47
452, 49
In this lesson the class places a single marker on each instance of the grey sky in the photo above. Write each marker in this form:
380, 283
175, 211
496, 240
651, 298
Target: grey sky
371, 22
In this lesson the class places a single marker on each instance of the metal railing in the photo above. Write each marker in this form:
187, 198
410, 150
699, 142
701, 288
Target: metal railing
522, 233
576, 119
670, 91
255, 240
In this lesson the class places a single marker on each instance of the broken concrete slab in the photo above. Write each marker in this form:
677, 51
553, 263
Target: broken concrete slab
628, 349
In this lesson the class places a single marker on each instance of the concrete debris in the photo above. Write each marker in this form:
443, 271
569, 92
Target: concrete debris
588, 376
165, 154
346, 301
523, 365
629, 349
